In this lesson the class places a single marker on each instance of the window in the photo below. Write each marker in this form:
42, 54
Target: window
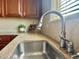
69, 7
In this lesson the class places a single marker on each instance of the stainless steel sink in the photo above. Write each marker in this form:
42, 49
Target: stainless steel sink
36, 50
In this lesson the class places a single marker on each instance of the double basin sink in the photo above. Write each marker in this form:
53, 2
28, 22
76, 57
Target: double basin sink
36, 50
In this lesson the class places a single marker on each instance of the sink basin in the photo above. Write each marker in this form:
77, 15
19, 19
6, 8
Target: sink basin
36, 50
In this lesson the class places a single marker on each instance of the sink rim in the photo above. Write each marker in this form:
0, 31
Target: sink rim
58, 52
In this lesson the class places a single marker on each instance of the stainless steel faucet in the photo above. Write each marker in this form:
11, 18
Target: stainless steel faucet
63, 32
75, 56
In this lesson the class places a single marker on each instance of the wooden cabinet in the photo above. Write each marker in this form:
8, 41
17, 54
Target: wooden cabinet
22, 8
31, 8
0, 7
26, 10
12, 7
5, 39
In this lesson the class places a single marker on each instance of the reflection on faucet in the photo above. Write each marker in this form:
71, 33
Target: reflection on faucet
63, 33
75, 56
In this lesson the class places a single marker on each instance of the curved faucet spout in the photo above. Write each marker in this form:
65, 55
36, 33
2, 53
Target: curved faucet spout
39, 26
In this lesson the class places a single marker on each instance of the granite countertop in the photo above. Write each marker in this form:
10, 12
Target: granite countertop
6, 52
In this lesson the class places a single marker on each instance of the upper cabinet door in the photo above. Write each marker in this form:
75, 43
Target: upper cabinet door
12, 8
31, 8
22, 8
26, 8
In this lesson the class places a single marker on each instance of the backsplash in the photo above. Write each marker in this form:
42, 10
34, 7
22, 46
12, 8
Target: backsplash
11, 24
53, 29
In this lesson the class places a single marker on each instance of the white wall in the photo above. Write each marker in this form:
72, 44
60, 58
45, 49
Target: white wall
46, 5
53, 29
10, 24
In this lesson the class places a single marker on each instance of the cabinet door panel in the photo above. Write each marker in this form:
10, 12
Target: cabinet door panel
26, 8
12, 7
31, 8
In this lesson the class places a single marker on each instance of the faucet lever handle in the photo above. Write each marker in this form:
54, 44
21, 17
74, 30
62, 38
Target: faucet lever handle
61, 37
62, 42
